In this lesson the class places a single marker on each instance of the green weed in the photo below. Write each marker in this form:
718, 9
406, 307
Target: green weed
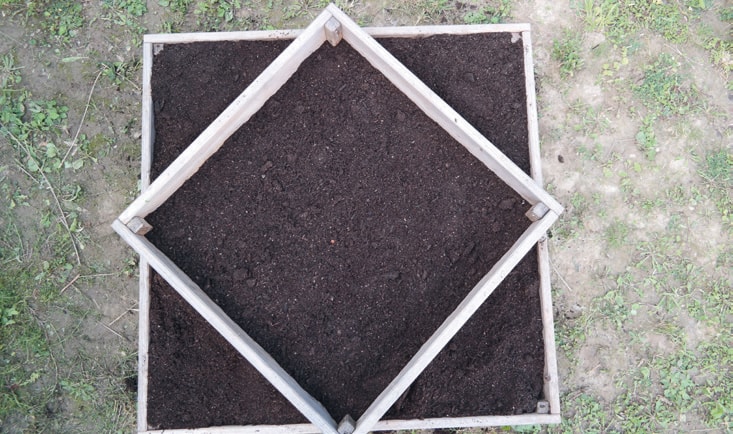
646, 139
635, 410
598, 15
567, 51
127, 14
620, 20
444, 11
570, 335
616, 234
433, 10
713, 305
667, 272
716, 365
34, 129
666, 18
587, 120
666, 390
79, 390
718, 168
295, 10
611, 69
726, 14
59, 20
717, 171
23, 346
489, 14
590, 153
62, 19
30, 125
584, 413
615, 306
720, 52
663, 90
212, 14
134, 8
177, 6
571, 222
699, 5
121, 72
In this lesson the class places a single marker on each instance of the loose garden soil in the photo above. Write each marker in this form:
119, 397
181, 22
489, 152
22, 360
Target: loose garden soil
339, 227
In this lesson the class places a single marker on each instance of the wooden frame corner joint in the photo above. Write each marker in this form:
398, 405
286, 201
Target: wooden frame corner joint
537, 211
139, 226
347, 425
543, 407
334, 34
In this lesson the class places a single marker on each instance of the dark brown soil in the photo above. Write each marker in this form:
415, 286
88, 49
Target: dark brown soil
339, 227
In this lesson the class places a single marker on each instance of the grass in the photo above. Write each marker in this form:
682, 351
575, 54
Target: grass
59, 20
213, 14
663, 288
489, 14
126, 14
669, 389
663, 90
40, 256
717, 172
566, 51
646, 139
443, 11
616, 234
571, 222
659, 291
621, 20
586, 414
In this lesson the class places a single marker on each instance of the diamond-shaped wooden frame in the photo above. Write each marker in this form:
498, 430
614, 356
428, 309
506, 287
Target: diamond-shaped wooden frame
333, 25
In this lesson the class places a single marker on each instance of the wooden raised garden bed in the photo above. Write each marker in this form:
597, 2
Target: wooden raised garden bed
342, 248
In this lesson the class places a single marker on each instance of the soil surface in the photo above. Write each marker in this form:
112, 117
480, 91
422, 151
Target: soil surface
339, 227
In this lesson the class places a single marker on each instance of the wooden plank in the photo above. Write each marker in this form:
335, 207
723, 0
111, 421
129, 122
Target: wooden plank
376, 32
254, 35
244, 429
212, 313
146, 158
552, 385
143, 344
453, 323
466, 422
444, 115
425, 31
148, 126
535, 162
229, 121
385, 425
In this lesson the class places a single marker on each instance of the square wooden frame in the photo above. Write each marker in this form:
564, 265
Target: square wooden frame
333, 26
